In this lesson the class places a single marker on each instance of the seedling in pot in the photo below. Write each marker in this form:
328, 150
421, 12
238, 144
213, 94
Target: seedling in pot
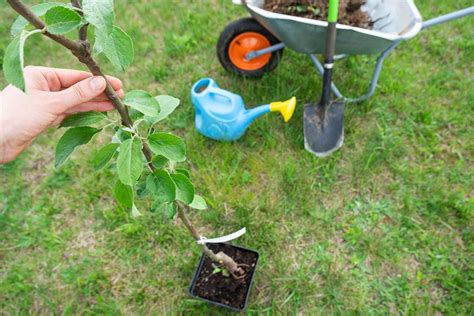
145, 157
218, 269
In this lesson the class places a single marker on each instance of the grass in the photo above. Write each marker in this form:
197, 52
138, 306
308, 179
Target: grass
383, 226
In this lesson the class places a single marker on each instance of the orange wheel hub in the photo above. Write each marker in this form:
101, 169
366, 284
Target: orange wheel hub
244, 44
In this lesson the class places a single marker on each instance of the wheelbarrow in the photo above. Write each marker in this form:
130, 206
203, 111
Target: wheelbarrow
254, 46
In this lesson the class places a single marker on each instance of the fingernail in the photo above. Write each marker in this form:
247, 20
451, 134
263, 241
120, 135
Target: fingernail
97, 83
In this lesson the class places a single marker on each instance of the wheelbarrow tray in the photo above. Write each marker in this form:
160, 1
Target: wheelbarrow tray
395, 21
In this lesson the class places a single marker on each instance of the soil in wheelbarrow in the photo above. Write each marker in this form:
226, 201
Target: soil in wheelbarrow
227, 290
350, 12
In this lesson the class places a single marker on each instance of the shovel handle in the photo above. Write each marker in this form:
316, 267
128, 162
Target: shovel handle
329, 50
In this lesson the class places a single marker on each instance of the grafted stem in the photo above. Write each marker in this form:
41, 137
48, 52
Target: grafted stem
81, 49
220, 257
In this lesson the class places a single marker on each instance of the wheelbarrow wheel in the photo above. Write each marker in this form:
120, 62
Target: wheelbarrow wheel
241, 37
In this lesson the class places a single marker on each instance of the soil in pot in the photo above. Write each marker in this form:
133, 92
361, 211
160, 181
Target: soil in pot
221, 289
350, 12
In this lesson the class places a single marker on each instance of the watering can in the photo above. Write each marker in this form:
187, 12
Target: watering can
221, 115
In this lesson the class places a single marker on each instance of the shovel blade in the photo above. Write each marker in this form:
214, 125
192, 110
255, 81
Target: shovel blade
323, 128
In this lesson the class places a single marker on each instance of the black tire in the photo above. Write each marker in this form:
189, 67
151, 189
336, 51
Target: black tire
233, 30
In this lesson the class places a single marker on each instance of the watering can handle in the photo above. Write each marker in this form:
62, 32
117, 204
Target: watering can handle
329, 51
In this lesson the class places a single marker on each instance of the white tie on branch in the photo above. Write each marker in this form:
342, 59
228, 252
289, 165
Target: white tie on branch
203, 240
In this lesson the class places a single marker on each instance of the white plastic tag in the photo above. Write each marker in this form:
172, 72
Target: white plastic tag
237, 234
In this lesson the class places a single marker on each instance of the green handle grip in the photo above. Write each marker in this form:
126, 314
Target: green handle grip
333, 11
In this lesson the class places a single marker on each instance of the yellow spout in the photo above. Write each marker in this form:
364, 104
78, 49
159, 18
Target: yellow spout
286, 108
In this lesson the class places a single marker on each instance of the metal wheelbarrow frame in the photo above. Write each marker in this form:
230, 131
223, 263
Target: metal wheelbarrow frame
351, 40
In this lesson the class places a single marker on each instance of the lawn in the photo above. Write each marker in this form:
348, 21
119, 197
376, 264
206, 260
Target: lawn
383, 226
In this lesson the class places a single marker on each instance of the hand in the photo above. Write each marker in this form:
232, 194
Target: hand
52, 94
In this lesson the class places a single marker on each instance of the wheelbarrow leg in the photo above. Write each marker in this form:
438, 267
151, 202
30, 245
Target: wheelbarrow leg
373, 82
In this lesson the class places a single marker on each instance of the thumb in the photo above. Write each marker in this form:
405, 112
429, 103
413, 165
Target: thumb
81, 92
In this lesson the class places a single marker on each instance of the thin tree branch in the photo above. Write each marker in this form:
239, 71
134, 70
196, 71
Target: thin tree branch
186, 222
83, 33
76, 4
83, 29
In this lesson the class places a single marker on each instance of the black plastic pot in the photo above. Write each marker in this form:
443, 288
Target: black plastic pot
203, 274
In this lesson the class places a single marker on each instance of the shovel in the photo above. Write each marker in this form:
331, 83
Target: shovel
324, 121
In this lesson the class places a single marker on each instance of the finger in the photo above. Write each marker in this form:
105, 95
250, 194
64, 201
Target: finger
120, 93
59, 120
91, 106
59, 79
79, 93
70, 77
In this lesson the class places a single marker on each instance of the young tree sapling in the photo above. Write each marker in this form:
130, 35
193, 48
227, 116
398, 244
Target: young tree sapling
142, 154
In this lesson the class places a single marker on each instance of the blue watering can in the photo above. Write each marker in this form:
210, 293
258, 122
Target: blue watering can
221, 115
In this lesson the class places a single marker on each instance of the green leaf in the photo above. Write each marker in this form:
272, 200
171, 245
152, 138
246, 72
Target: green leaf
103, 156
39, 10
168, 145
161, 185
167, 209
143, 102
183, 172
198, 203
140, 188
167, 106
159, 161
185, 189
83, 119
13, 64
123, 195
130, 161
61, 20
134, 114
117, 47
96, 49
170, 210
72, 138
99, 13
13, 61
121, 135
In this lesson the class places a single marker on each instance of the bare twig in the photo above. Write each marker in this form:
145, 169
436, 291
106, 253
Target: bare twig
83, 29
83, 33
81, 50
